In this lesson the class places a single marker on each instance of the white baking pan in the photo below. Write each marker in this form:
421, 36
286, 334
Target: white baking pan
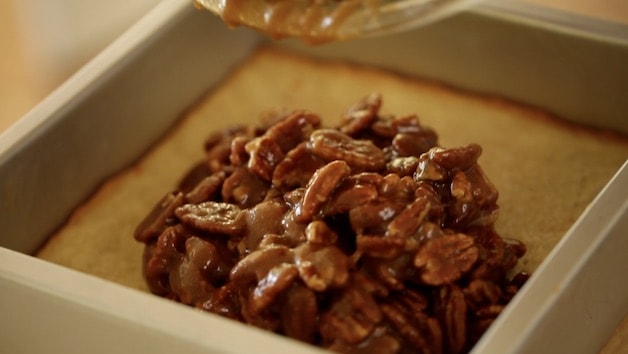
53, 158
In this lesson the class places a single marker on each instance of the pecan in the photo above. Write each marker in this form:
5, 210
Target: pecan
226, 135
373, 218
299, 314
262, 220
397, 188
384, 128
349, 196
366, 178
322, 267
403, 166
408, 124
359, 117
391, 126
481, 292
293, 229
320, 188
428, 170
193, 176
492, 252
421, 331
413, 300
380, 246
483, 190
490, 311
391, 272
238, 155
265, 154
270, 240
257, 264
218, 147
413, 144
206, 188
218, 157
157, 220
330, 145
408, 221
459, 158
293, 129
244, 188
277, 280
318, 233
266, 320
400, 233
437, 210
454, 318
445, 259
475, 198
296, 168
188, 279
430, 231
213, 217
463, 209
223, 301
162, 257
352, 317
379, 341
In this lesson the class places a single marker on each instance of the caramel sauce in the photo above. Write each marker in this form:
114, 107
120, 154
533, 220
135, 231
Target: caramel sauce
313, 21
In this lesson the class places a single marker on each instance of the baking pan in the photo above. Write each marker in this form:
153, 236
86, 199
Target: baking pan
88, 129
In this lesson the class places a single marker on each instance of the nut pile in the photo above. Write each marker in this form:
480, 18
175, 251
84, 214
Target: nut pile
365, 238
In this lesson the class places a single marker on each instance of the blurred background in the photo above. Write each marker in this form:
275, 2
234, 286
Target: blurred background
45, 41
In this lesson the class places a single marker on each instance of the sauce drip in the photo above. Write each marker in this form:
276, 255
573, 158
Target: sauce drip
313, 21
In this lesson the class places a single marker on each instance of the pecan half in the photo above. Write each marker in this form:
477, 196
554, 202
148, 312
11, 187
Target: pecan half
445, 259
213, 217
330, 145
157, 220
320, 188
352, 317
322, 267
299, 314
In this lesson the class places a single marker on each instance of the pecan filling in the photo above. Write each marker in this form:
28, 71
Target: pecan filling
365, 238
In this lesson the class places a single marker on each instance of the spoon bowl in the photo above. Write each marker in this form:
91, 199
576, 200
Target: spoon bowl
318, 21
